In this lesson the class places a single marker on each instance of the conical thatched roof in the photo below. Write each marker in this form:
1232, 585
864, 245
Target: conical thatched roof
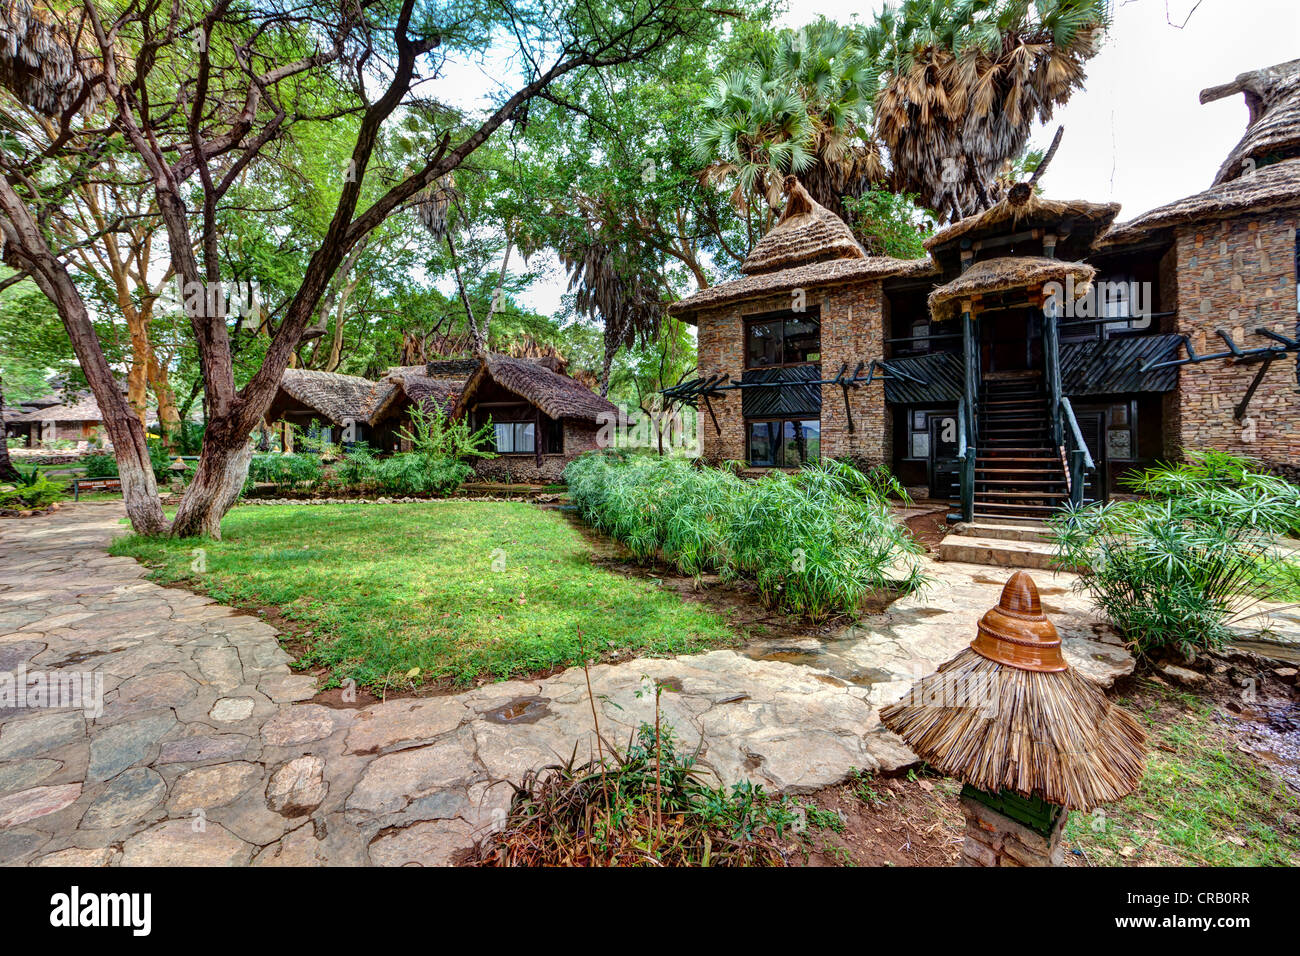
807, 232
40, 62
1273, 128
1016, 721
1086, 221
1003, 275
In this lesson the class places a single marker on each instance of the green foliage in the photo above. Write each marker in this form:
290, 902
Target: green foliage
815, 541
100, 465
410, 473
286, 472
34, 490
890, 224
357, 466
1173, 571
647, 805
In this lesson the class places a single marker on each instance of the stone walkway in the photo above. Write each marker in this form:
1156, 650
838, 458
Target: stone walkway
207, 750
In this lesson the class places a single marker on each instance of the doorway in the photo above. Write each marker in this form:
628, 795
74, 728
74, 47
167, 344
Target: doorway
1011, 341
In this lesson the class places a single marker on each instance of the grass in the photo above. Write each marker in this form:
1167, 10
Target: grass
378, 591
1201, 802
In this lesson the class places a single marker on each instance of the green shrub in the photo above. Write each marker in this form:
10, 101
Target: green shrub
815, 541
286, 472
410, 473
1175, 570
34, 490
357, 467
100, 465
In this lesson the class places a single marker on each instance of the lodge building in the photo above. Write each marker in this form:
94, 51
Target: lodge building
1039, 352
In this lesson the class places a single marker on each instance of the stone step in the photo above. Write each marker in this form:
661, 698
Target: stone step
997, 552
1006, 529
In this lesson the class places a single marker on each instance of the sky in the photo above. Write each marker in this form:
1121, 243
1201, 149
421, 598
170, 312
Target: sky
1137, 133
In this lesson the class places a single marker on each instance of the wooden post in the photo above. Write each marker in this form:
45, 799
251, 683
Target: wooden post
971, 401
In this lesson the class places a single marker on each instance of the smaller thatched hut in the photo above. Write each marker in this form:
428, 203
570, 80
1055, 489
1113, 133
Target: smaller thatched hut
1004, 275
541, 418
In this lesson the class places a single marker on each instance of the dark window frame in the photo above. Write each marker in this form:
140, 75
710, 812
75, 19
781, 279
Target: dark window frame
782, 419
812, 313
552, 435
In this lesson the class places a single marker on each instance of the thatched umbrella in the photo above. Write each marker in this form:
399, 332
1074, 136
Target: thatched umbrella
1007, 716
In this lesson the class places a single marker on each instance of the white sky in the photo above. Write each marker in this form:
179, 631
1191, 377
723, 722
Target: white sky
1137, 134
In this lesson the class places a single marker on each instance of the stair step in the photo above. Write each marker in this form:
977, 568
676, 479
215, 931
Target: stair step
996, 509
1022, 482
997, 552
1004, 528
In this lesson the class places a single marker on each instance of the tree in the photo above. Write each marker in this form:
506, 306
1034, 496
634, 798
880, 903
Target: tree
200, 97
932, 99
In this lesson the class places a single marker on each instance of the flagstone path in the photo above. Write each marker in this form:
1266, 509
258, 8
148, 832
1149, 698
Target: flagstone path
209, 751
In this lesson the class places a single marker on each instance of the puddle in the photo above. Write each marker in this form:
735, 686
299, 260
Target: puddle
1273, 735
793, 657
521, 710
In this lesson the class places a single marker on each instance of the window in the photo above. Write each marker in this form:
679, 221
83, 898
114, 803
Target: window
520, 438
515, 437
792, 338
784, 442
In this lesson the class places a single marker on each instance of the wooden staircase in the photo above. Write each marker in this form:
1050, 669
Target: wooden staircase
1018, 474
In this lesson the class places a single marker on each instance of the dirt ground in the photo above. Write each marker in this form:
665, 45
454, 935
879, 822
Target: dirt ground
916, 820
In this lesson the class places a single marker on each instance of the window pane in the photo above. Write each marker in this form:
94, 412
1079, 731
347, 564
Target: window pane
764, 443
803, 340
802, 443
920, 445
764, 346
504, 436
524, 434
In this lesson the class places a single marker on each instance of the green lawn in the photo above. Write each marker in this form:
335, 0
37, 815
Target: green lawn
1201, 802
378, 590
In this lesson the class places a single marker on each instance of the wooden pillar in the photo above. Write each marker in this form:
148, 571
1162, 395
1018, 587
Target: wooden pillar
970, 403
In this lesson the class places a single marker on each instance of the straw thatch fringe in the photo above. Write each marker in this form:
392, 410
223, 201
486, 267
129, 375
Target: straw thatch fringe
817, 274
1269, 187
1005, 274
1054, 735
1087, 217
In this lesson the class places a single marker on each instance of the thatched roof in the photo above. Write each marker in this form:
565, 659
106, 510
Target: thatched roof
834, 272
806, 232
339, 398
1086, 219
83, 409
414, 384
1270, 187
1003, 275
558, 396
1273, 128
1003, 716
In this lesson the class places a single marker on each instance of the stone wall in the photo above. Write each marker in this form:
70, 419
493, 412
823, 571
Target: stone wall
579, 437
1238, 275
993, 839
851, 332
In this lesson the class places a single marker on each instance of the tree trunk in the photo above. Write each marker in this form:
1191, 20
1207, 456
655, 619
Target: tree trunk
222, 470
7, 470
26, 246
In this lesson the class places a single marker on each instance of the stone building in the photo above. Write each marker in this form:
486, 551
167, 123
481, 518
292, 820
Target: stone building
1036, 337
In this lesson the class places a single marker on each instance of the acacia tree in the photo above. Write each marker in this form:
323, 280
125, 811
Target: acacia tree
199, 98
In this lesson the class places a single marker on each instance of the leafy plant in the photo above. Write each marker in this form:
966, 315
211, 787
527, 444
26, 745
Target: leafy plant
35, 490
648, 805
1175, 570
357, 466
100, 465
815, 541
286, 472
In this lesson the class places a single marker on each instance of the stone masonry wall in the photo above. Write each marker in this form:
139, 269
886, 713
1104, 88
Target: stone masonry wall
1238, 275
851, 331
993, 839
579, 437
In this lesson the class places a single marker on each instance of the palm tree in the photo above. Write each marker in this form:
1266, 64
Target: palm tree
803, 107
962, 81
946, 90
